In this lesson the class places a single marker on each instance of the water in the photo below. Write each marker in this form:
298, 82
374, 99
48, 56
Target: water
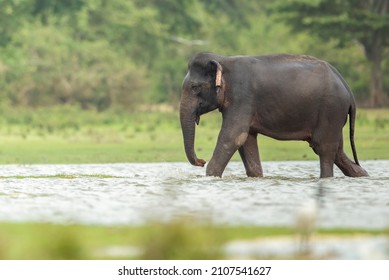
331, 247
134, 194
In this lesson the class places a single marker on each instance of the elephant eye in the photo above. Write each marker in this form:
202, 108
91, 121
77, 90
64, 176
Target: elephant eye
196, 89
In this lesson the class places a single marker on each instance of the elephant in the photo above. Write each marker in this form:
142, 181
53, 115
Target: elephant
283, 96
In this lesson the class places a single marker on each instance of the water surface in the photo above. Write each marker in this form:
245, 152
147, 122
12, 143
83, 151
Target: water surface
133, 194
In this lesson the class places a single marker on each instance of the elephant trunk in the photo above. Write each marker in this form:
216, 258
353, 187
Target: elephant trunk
188, 118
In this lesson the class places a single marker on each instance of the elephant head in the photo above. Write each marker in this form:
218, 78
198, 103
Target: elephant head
202, 92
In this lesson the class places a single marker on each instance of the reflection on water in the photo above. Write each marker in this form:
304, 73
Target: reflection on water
130, 194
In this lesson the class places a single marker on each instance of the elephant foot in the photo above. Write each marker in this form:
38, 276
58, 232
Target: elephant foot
254, 173
214, 174
350, 168
355, 170
213, 170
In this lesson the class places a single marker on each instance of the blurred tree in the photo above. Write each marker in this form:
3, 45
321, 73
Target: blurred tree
45, 8
101, 53
237, 11
366, 21
177, 16
12, 15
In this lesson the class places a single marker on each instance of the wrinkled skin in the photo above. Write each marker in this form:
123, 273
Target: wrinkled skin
285, 97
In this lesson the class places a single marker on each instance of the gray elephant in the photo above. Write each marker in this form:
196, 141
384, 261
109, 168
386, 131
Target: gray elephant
286, 97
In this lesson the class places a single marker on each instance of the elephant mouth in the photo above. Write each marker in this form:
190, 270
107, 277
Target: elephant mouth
197, 119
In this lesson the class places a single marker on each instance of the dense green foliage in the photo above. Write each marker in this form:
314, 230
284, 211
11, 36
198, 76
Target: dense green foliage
99, 53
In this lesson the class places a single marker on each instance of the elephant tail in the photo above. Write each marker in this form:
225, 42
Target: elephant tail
351, 112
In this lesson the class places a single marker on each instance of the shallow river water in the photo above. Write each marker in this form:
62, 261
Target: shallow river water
133, 194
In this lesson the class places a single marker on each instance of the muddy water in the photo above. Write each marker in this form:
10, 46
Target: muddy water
131, 194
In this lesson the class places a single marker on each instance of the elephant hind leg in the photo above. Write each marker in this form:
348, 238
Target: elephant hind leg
250, 157
327, 153
348, 167
327, 159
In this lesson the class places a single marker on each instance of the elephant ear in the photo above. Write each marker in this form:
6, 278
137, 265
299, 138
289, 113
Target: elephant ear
219, 71
219, 83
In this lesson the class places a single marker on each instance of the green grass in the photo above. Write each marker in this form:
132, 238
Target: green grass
66, 135
69, 135
177, 240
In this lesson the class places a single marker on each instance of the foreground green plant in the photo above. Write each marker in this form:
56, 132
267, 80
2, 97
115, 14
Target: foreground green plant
175, 240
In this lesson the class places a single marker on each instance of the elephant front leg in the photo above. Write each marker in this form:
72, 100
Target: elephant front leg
250, 157
228, 143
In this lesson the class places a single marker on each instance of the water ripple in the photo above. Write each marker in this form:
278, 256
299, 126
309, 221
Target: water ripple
130, 194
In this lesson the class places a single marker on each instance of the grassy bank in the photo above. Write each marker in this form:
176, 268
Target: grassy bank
155, 241
69, 135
